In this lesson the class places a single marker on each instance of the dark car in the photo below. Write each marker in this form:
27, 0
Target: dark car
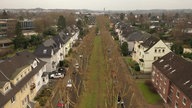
62, 70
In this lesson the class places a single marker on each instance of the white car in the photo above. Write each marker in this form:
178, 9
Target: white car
69, 83
57, 75
77, 65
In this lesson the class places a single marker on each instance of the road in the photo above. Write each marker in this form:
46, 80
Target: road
103, 75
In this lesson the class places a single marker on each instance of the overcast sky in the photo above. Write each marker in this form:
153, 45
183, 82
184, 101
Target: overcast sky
98, 4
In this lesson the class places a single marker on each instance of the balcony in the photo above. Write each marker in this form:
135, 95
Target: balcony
32, 86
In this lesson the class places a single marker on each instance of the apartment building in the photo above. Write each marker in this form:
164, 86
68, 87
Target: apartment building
20, 80
172, 78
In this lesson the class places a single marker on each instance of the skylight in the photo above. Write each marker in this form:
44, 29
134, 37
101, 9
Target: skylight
172, 71
161, 61
186, 82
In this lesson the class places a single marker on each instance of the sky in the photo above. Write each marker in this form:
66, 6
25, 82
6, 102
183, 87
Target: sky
97, 4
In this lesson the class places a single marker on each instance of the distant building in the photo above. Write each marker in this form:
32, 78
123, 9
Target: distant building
27, 24
3, 28
172, 78
7, 27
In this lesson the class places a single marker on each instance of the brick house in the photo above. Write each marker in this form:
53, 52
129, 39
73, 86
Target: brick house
172, 78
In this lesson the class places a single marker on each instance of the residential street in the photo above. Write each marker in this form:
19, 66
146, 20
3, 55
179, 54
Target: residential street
102, 75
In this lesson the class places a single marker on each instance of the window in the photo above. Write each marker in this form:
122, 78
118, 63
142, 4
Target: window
153, 73
184, 101
155, 50
154, 58
163, 50
176, 104
13, 99
177, 94
21, 76
6, 88
159, 50
163, 90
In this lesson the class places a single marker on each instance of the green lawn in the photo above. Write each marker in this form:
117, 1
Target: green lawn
131, 64
129, 61
150, 97
94, 96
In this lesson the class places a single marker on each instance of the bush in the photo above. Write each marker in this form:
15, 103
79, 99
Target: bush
136, 67
65, 63
43, 96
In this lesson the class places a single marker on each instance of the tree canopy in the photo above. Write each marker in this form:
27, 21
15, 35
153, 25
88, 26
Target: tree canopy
177, 49
124, 49
61, 24
122, 16
18, 30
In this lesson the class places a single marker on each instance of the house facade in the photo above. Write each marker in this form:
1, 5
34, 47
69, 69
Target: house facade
20, 80
134, 37
172, 78
50, 52
55, 49
148, 51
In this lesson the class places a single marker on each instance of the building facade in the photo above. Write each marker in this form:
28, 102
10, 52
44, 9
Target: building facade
172, 78
7, 27
148, 51
20, 80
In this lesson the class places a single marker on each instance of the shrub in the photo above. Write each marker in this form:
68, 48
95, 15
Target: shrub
136, 67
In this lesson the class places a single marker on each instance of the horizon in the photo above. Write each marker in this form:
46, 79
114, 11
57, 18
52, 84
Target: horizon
98, 4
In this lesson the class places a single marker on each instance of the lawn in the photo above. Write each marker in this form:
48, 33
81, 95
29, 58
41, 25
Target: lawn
94, 96
131, 64
150, 97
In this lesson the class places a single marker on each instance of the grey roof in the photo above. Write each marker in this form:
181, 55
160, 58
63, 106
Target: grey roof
150, 42
45, 50
11, 67
138, 36
19, 60
178, 71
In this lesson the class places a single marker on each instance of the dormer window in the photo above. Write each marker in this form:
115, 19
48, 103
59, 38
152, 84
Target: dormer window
13, 99
5, 88
34, 64
44, 51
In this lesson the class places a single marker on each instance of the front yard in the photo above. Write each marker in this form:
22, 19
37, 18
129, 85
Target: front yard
132, 65
150, 96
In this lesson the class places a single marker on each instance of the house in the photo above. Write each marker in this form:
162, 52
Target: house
147, 51
136, 36
20, 80
172, 78
55, 49
51, 52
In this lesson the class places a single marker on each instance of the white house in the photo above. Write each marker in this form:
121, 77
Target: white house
148, 51
20, 79
55, 49
50, 52
136, 37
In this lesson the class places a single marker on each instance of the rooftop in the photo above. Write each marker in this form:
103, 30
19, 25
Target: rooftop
177, 70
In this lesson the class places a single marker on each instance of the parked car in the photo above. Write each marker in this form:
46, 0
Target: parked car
62, 70
69, 83
56, 75
77, 65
